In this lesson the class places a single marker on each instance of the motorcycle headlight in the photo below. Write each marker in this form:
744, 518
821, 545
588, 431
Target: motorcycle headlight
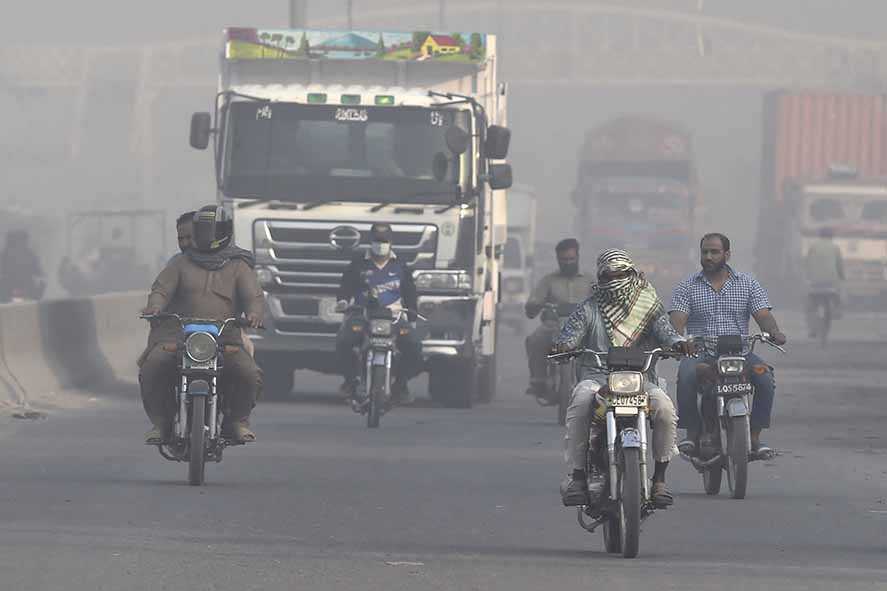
443, 281
625, 382
201, 347
731, 366
380, 328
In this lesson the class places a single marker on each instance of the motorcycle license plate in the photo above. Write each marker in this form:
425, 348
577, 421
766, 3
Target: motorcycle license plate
631, 400
734, 388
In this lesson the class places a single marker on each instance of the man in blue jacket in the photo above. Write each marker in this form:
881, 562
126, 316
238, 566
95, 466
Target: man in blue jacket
380, 271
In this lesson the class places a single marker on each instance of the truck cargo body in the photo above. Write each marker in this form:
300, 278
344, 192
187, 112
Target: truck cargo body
320, 134
824, 161
637, 189
517, 274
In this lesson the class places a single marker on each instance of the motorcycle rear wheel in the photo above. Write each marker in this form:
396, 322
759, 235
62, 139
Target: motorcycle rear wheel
197, 444
630, 502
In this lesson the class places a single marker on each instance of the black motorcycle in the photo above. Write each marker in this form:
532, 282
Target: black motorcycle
626, 411
725, 402
196, 432
560, 377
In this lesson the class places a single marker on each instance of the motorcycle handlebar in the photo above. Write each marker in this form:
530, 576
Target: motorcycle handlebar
241, 322
655, 354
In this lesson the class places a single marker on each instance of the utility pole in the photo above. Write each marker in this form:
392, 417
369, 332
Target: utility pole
298, 13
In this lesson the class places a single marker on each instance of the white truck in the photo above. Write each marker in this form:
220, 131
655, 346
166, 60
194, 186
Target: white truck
517, 268
319, 134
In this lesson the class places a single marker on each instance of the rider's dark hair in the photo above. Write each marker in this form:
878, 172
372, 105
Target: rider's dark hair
725, 242
186, 217
567, 244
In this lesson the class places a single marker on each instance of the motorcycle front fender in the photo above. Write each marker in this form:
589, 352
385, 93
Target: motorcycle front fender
379, 357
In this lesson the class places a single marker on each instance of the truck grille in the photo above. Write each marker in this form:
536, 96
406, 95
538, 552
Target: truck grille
303, 259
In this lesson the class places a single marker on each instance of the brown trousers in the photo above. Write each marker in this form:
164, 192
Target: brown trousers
238, 384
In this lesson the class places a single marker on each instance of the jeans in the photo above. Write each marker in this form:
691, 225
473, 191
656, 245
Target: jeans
762, 406
538, 344
579, 424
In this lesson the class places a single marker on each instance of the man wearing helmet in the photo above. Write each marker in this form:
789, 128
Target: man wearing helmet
213, 279
391, 281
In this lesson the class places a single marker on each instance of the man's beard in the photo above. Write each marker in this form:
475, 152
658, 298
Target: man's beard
714, 267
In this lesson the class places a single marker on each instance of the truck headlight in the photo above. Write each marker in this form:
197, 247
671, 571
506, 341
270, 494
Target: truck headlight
265, 277
443, 280
731, 366
625, 382
201, 347
380, 327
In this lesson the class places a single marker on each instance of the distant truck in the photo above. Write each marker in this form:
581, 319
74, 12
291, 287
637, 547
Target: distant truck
517, 269
824, 165
320, 134
637, 189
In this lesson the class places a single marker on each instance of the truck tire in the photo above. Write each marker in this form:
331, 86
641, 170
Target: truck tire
487, 380
453, 382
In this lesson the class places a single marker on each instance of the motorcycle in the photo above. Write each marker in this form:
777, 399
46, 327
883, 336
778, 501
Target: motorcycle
560, 377
196, 432
627, 499
725, 398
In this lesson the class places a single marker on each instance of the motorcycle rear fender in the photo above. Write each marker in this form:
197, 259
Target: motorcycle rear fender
630, 438
736, 407
198, 388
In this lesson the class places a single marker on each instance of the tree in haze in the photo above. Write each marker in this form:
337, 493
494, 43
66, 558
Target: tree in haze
419, 38
304, 47
477, 46
290, 41
459, 39
380, 46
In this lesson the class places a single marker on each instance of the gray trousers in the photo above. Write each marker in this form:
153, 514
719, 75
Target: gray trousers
579, 424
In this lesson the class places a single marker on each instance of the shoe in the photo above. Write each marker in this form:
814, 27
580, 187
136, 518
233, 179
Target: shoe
761, 451
574, 492
687, 446
662, 498
242, 432
348, 388
401, 393
537, 388
596, 482
154, 437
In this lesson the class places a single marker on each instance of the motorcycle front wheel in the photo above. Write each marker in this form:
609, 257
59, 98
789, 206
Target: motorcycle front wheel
630, 502
737, 456
377, 396
197, 443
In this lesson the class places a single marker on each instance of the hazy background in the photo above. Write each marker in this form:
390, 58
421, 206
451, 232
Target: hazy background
110, 130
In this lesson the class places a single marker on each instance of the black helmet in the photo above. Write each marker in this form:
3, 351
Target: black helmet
381, 233
213, 228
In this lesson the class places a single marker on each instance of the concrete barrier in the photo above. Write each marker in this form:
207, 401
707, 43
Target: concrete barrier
88, 343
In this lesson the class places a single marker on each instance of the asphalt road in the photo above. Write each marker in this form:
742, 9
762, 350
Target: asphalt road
440, 499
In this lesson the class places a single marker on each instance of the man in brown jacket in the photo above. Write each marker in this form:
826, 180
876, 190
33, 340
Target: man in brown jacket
214, 279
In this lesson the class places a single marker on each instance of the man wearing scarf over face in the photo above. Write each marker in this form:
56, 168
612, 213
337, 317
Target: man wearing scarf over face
623, 310
213, 279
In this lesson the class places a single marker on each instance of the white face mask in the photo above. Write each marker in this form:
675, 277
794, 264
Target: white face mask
380, 249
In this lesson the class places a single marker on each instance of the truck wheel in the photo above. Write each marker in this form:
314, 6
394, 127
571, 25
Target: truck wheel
453, 382
277, 379
487, 382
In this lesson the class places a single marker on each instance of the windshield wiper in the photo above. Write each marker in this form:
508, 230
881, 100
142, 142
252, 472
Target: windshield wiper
277, 204
314, 204
379, 206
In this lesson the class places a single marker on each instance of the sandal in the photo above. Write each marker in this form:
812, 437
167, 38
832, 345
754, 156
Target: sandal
762, 451
662, 498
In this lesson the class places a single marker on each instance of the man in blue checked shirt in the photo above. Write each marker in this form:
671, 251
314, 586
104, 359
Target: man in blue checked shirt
714, 302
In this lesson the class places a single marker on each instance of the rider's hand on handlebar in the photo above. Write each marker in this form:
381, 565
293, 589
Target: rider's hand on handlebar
253, 321
558, 348
687, 348
778, 338
150, 311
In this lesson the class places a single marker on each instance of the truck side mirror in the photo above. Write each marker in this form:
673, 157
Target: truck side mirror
498, 140
457, 139
500, 176
201, 127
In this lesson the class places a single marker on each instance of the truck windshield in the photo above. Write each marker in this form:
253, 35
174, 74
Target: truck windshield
295, 152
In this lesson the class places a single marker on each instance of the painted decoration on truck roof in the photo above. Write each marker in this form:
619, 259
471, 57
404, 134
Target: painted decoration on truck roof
281, 44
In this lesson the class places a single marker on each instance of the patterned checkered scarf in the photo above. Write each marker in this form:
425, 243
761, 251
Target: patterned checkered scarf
628, 304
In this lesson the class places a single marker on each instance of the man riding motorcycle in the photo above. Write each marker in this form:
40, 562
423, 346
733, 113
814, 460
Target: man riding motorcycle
623, 310
212, 280
714, 302
565, 286
381, 271
824, 272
